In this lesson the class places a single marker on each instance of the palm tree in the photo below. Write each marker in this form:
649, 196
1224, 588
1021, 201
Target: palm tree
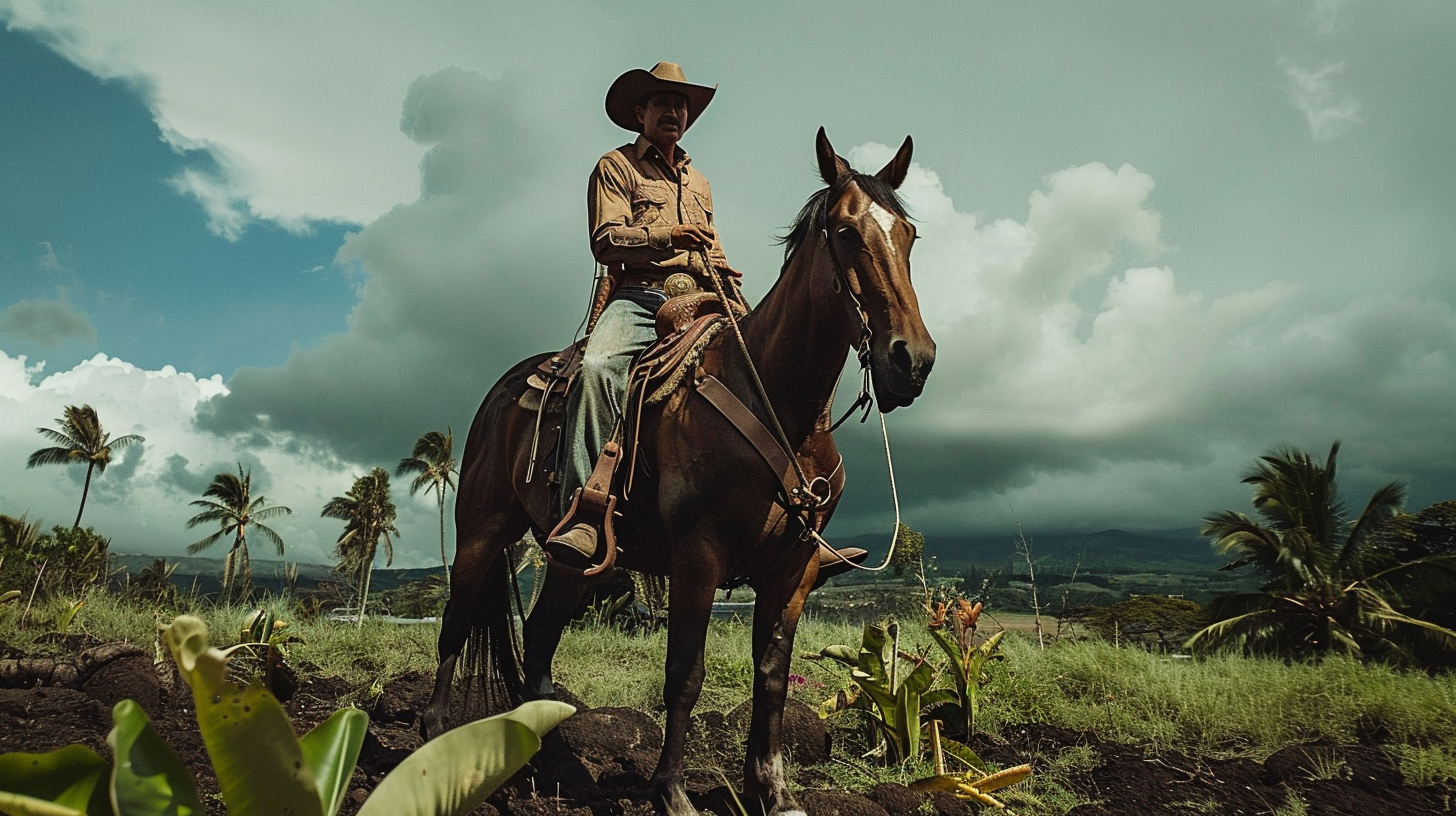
1327, 588
80, 439
369, 515
235, 509
434, 462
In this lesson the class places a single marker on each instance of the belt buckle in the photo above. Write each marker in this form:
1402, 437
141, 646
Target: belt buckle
679, 283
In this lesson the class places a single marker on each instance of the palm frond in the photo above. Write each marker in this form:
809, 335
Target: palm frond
51, 456
1384, 504
271, 535
198, 546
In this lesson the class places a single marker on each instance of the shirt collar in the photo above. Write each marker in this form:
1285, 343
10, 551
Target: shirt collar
643, 148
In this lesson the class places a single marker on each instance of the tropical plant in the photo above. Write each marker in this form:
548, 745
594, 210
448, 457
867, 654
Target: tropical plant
953, 628
890, 696
80, 439
1327, 589
229, 502
307, 776
154, 583
974, 786
433, 461
66, 561
1430, 532
369, 516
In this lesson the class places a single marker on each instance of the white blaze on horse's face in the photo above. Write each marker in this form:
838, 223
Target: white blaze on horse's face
886, 220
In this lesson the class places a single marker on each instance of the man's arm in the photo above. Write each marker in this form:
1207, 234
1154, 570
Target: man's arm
614, 240
715, 247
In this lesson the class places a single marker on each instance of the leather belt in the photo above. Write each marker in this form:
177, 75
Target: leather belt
677, 283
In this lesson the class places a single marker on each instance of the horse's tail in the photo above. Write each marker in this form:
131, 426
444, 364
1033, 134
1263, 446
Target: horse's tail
492, 655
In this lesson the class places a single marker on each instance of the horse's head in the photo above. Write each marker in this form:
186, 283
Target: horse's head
869, 240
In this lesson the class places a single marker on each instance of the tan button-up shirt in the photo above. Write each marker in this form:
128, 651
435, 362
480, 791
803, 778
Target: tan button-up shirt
633, 201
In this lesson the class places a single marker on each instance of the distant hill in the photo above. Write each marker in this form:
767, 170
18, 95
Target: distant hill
1117, 551
206, 573
1105, 550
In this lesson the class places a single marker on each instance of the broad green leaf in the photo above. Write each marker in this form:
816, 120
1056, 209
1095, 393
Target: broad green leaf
942, 697
259, 763
453, 773
331, 750
539, 715
69, 780
920, 678
844, 654
907, 721
877, 690
963, 752
148, 779
873, 654
15, 804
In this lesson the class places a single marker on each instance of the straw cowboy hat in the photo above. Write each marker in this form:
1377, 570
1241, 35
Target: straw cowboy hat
630, 88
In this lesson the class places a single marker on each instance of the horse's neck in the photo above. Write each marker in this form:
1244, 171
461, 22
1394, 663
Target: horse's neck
798, 337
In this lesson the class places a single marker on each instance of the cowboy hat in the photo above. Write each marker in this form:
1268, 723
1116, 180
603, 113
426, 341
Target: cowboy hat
630, 88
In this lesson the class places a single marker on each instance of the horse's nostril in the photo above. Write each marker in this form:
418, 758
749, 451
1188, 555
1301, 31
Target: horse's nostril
900, 355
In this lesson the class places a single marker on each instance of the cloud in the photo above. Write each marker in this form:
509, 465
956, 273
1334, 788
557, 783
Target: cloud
477, 273
1084, 393
47, 323
1328, 111
49, 261
288, 114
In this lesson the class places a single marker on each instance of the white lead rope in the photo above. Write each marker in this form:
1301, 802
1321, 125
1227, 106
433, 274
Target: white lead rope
894, 495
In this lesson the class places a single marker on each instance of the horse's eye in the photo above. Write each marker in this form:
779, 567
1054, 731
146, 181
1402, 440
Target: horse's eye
847, 232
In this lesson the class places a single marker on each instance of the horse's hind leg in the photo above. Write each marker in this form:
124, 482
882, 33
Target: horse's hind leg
480, 602
542, 631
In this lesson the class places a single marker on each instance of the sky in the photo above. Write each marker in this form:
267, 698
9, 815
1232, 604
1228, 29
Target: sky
1158, 239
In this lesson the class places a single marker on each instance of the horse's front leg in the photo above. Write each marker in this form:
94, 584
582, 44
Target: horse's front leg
687, 630
779, 602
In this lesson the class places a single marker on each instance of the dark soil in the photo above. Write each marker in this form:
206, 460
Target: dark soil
598, 762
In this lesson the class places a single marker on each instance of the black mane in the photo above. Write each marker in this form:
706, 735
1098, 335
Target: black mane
812, 217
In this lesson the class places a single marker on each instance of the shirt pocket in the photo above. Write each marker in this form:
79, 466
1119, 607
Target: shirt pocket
649, 204
704, 209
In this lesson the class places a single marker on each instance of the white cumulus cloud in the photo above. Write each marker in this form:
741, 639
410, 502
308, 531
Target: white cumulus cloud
142, 500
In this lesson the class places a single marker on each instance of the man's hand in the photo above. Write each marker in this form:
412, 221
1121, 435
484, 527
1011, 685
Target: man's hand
691, 237
720, 263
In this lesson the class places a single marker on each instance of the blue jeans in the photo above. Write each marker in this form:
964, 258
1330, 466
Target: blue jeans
592, 412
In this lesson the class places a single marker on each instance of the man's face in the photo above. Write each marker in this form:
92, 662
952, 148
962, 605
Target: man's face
662, 116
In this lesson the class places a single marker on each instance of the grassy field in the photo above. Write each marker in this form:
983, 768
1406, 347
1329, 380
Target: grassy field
1216, 706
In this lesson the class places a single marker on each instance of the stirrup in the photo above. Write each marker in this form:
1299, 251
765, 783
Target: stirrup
595, 505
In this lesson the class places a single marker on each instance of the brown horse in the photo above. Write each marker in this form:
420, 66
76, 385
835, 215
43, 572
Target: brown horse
704, 507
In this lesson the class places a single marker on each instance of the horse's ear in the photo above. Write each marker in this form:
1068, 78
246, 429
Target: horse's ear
830, 165
893, 173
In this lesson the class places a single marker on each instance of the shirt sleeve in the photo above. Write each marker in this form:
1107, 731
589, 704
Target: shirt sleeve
715, 252
614, 241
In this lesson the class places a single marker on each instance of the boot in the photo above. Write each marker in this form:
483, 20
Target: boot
831, 564
575, 548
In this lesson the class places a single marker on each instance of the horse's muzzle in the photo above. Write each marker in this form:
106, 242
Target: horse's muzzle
901, 367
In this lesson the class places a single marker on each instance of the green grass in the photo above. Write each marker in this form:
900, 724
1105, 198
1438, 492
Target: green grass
1221, 705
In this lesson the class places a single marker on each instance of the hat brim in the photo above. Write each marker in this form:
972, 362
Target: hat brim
631, 87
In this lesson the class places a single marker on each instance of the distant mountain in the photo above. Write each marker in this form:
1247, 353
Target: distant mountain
206, 573
1105, 550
